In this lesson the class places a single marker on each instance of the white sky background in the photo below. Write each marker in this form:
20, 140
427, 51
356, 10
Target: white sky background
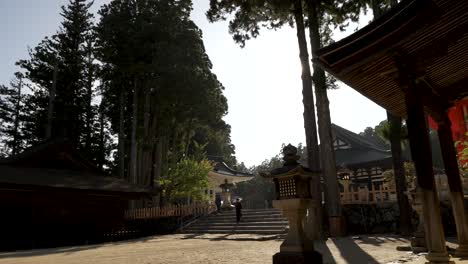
262, 80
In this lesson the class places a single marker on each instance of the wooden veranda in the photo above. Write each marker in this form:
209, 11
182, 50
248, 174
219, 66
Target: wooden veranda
412, 62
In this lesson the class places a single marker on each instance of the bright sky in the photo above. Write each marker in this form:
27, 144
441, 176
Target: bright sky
262, 80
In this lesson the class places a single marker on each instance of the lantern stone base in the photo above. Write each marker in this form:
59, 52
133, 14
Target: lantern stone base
297, 258
296, 241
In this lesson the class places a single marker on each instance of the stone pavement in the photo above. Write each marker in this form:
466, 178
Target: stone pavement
215, 248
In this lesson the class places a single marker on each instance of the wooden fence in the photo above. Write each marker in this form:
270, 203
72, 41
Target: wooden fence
173, 210
366, 196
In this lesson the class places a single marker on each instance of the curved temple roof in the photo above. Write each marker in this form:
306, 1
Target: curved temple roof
426, 38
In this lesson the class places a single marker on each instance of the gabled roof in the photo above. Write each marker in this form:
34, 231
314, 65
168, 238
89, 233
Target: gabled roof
362, 151
217, 179
222, 168
23, 178
356, 141
53, 154
56, 165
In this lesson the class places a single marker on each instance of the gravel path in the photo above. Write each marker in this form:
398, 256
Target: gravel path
210, 249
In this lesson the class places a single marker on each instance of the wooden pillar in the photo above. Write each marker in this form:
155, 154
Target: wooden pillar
422, 157
453, 176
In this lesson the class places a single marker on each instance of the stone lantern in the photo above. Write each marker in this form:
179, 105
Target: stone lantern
226, 195
293, 197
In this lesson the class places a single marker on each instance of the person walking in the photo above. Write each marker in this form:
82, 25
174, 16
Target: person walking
238, 210
218, 203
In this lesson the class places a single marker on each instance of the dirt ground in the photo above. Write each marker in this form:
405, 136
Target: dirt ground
208, 249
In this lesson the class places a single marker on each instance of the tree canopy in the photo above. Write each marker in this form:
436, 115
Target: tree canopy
135, 93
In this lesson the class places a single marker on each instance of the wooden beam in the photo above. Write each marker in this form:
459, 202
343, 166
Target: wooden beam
456, 91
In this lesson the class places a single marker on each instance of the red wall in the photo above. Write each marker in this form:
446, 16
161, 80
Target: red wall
458, 117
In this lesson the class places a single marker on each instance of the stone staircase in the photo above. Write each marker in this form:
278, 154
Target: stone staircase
254, 221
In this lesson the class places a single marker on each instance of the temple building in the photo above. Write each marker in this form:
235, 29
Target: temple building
359, 159
222, 173
51, 196
412, 62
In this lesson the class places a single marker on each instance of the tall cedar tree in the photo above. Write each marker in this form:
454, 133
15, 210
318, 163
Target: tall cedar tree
274, 14
250, 16
395, 132
61, 71
159, 91
11, 116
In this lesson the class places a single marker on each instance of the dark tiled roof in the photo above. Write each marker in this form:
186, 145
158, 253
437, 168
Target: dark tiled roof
40, 177
361, 149
222, 168
355, 140
352, 157
56, 164
54, 154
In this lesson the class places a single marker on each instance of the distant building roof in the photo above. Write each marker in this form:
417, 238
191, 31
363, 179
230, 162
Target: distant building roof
222, 168
56, 164
222, 172
217, 179
353, 150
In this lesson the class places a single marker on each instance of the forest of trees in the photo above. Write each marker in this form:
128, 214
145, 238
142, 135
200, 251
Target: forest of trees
133, 91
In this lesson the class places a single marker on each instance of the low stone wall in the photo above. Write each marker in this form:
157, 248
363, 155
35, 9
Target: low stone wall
371, 218
383, 218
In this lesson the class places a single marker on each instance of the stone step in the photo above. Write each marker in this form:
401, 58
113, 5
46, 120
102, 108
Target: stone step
231, 231
244, 212
246, 216
242, 223
238, 227
233, 220
261, 221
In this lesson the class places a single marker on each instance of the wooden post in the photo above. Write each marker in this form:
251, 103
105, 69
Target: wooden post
421, 154
453, 177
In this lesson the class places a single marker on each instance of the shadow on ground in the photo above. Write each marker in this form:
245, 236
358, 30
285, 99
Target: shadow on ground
69, 249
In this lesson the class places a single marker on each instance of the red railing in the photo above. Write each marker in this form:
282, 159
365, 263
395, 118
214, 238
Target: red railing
366, 196
172, 210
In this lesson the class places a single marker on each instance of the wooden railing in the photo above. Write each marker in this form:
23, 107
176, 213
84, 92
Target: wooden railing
173, 210
366, 196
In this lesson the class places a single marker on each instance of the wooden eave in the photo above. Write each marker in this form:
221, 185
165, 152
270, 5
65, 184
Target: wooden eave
67, 192
67, 181
216, 178
428, 37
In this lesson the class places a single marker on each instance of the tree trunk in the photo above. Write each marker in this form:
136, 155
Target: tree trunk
399, 173
89, 98
310, 126
313, 159
50, 110
102, 140
122, 135
332, 192
17, 113
133, 139
395, 142
147, 140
